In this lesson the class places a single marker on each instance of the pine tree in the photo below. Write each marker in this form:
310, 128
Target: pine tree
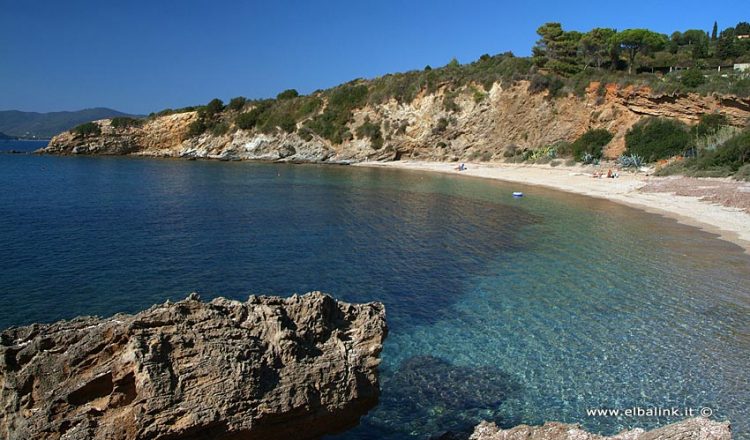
715, 31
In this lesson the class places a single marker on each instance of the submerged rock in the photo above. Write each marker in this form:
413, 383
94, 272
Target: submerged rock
268, 368
430, 394
698, 428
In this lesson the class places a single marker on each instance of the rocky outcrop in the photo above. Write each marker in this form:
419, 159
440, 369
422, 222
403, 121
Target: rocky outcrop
267, 368
698, 428
481, 125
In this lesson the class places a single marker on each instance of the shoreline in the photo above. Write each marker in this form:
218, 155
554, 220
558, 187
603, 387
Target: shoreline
729, 223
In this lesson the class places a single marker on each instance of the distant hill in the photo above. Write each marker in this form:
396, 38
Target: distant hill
46, 125
5, 137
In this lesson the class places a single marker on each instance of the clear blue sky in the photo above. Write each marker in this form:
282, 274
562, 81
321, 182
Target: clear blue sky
141, 56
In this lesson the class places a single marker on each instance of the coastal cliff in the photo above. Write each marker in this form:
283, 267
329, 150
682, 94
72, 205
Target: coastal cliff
268, 368
472, 124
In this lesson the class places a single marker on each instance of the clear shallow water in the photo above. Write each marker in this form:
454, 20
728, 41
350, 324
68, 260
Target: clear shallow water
516, 311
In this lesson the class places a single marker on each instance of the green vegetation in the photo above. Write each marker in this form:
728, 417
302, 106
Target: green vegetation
87, 129
368, 129
331, 124
657, 138
214, 107
237, 103
692, 78
125, 122
730, 158
287, 94
592, 143
563, 63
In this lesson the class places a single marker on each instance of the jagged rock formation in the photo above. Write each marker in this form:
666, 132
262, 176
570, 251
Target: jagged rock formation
268, 368
698, 428
503, 120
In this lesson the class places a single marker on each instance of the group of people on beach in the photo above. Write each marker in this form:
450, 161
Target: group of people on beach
610, 174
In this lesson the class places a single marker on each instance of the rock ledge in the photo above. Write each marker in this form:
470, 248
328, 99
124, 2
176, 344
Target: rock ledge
698, 428
268, 368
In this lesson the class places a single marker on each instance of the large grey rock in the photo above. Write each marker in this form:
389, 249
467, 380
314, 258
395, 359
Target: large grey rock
698, 428
268, 368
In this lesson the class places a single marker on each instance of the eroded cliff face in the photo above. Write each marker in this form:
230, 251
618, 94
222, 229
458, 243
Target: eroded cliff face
697, 428
485, 126
268, 368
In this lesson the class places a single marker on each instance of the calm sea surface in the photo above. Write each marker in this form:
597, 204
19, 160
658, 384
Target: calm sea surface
511, 310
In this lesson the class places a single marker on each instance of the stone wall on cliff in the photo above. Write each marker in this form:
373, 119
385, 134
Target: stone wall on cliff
483, 127
268, 368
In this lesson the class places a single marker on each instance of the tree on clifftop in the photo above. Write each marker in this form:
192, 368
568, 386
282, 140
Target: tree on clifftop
595, 46
635, 41
557, 50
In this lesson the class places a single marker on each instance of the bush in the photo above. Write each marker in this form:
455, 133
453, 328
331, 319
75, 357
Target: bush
306, 134
88, 129
125, 122
551, 83
734, 154
449, 102
441, 126
657, 138
331, 124
692, 78
591, 142
197, 127
237, 103
248, 120
710, 124
372, 131
287, 94
309, 106
215, 106
743, 173
219, 128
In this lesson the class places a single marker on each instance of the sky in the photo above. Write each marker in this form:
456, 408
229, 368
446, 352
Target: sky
142, 56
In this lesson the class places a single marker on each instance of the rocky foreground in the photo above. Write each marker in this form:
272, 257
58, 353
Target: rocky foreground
691, 429
267, 368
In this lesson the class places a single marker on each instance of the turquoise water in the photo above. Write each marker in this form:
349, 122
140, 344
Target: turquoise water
511, 310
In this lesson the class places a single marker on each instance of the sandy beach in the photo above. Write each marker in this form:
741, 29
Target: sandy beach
720, 206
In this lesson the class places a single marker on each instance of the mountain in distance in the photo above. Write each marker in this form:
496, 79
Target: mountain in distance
16, 123
5, 137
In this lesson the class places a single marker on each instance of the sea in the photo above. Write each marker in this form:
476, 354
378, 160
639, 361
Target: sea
552, 306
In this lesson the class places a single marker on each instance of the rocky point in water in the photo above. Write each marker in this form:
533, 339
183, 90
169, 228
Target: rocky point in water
268, 368
698, 428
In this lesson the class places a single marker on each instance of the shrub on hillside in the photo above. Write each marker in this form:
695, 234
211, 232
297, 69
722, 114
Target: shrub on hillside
197, 127
287, 94
237, 103
540, 83
248, 120
710, 124
733, 154
88, 129
331, 124
371, 130
692, 78
591, 142
125, 122
215, 106
657, 138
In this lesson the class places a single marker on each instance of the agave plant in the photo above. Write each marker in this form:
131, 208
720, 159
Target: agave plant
630, 161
